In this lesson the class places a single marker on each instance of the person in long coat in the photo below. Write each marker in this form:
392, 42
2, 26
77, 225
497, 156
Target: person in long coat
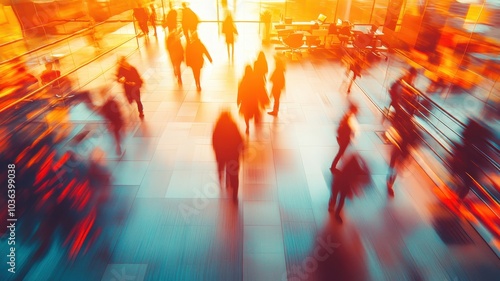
278, 80
195, 52
229, 30
247, 99
228, 146
176, 53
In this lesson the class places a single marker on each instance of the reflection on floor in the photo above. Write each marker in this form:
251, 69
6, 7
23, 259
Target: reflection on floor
169, 220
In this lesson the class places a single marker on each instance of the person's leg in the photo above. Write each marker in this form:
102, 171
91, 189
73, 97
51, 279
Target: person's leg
391, 177
140, 108
196, 74
220, 170
154, 27
228, 53
144, 27
339, 207
333, 199
117, 136
232, 172
247, 123
232, 51
342, 148
186, 33
177, 72
276, 106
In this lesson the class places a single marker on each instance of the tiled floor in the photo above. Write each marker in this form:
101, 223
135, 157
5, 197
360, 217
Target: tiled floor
169, 220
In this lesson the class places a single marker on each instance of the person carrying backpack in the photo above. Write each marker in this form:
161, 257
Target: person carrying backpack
345, 133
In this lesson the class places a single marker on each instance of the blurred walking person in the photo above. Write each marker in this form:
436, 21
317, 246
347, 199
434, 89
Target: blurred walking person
345, 133
228, 147
278, 80
396, 91
406, 136
353, 176
195, 52
229, 30
141, 15
468, 158
189, 21
152, 18
355, 68
260, 70
247, 99
171, 19
132, 83
260, 67
176, 53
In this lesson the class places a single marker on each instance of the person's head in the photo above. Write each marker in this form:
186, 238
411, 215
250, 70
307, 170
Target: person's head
261, 56
353, 108
48, 65
122, 61
184, 5
410, 75
248, 70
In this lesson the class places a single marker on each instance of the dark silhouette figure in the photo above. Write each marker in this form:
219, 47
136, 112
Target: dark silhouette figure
355, 67
152, 18
397, 90
278, 80
171, 19
111, 111
467, 159
49, 74
132, 83
408, 136
349, 181
228, 146
141, 15
247, 99
93, 36
229, 30
176, 53
260, 67
345, 132
24, 79
194, 58
260, 70
189, 21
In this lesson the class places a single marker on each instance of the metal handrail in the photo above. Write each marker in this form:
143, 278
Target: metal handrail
83, 31
62, 77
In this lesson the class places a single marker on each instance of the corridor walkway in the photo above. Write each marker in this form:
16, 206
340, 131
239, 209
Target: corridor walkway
168, 219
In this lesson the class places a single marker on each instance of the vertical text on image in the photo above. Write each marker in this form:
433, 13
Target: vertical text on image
11, 218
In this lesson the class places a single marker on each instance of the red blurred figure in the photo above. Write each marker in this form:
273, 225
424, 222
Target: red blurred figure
247, 99
194, 58
176, 53
49, 74
189, 21
408, 136
467, 158
349, 181
132, 83
228, 146
152, 18
278, 80
229, 30
345, 133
